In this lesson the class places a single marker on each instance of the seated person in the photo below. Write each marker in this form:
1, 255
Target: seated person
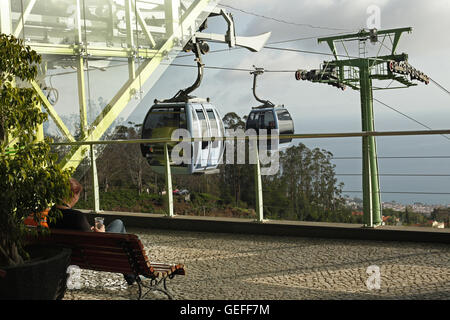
76, 220
73, 219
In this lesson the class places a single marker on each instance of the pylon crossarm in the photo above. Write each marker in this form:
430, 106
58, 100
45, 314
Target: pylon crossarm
365, 34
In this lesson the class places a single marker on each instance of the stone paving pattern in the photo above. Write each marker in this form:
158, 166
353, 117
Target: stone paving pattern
255, 267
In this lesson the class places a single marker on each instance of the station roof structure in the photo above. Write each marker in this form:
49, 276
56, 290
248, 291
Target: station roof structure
109, 54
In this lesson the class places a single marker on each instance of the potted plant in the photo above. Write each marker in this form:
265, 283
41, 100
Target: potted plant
30, 180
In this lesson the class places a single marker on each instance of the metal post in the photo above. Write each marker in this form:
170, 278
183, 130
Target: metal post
5, 17
168, 182
6, 28
94, 180
258, 188
39, 127
371, 190
80, 75
130, 40
172, 15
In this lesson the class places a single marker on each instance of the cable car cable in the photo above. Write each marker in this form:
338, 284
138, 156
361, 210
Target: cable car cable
269, 43
440, 86
405, 115
284, 21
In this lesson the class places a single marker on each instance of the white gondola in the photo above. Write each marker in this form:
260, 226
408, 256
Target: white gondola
201, 119
269, 116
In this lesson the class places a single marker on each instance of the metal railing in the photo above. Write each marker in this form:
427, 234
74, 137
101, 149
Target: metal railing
258, 184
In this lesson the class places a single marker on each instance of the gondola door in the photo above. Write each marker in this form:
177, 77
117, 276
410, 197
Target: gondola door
205, 132
214, 146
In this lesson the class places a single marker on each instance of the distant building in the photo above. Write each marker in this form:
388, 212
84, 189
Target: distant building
437, 224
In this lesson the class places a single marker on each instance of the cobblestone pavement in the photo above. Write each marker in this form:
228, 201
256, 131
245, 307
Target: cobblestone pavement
230, 266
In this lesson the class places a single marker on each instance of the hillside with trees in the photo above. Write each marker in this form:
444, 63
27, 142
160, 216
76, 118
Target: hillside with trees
305, 187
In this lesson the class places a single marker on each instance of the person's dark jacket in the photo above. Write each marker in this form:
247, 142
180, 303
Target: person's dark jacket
72, 220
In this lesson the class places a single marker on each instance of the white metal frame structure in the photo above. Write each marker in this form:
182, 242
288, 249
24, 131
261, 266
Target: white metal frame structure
81, 34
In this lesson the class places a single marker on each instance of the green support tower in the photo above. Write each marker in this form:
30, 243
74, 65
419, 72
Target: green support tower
358, 72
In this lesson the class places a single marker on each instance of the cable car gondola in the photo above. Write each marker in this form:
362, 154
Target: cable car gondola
198, 116
269, 116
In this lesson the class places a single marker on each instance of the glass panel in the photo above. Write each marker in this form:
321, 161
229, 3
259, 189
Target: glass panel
269, 120
46, 21
261, 120
202, 119
283, 115
58, 81
214, 128
211, 115
200, 115
162, 122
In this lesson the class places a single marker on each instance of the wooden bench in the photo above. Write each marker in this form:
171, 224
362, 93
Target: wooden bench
115, 252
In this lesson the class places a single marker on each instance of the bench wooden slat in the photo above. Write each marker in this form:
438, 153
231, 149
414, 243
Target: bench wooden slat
106, 254
112, 252
103, 268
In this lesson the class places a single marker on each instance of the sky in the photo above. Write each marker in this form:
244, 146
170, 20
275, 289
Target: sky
318, 108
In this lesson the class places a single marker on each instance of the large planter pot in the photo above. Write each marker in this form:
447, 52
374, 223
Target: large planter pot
43, 277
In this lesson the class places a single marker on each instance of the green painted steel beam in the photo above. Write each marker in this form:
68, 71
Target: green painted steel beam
363, 34
82, 96
58, 49
371, 188
130, 40
52, 112
358, 62
80, 75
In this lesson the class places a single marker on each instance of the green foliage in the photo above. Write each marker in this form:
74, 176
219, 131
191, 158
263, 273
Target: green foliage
30, 178
232, 121
406, 218
123, 200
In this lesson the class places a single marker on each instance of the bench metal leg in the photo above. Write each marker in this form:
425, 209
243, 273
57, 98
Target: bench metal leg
138, 281
155, 285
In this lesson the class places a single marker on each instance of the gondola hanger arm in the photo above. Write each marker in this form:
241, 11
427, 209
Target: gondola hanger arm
266, 103
252, 43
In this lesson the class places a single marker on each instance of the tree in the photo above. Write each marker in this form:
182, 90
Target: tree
236, 177
232, 121
30, 178
311, 185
